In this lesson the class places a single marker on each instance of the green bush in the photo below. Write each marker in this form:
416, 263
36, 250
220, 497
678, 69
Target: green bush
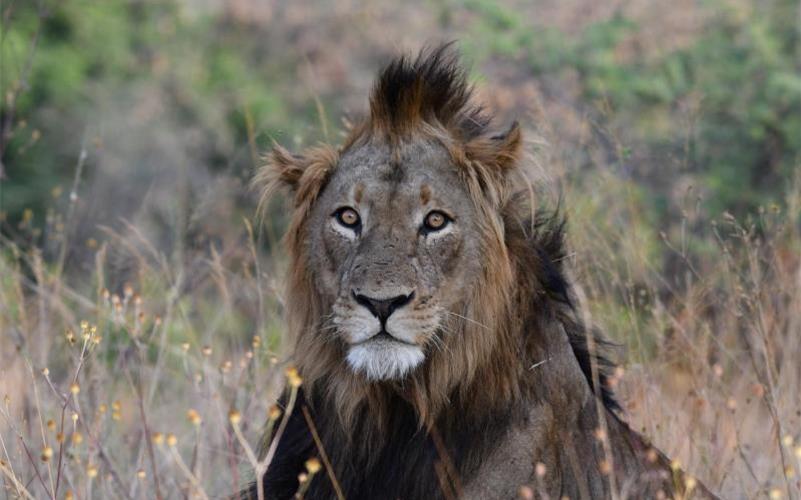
743, 68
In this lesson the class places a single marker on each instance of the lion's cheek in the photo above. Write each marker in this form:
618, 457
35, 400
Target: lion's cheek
329, 262
461, 272
442, 256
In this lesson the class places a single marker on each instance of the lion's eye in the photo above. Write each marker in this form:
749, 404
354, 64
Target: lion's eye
348, 217
435, 221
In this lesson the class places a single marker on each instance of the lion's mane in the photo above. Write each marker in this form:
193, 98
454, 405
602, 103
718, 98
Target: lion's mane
466, 394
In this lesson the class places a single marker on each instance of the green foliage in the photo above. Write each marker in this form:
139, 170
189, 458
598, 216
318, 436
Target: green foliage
214, 73
743, 68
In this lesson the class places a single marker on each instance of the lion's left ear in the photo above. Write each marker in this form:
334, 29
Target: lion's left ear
500, 151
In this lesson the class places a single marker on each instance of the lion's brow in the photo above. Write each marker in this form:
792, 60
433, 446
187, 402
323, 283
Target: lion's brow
425, 194
358, 193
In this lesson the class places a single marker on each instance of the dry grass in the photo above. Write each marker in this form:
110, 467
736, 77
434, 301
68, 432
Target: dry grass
713, 374
132, 392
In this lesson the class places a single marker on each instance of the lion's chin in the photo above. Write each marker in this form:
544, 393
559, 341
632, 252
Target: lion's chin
382, 359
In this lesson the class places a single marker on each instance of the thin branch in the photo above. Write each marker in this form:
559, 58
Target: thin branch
188, 473
318, 442
21, 490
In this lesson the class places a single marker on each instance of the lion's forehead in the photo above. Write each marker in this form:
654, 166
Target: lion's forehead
379, 174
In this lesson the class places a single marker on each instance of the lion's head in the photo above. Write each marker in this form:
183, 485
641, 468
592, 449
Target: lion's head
397, 249
401, 277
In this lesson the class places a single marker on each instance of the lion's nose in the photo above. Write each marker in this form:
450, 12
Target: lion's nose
383, 308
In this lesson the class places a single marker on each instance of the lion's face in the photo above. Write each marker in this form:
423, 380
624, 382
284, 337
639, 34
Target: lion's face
396, 253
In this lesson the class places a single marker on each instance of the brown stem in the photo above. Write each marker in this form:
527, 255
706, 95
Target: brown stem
323, 455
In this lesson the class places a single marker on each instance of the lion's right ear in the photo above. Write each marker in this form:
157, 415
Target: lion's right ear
284, 168
304, 176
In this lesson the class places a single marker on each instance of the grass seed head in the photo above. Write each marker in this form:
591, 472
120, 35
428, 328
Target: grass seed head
313, 466
234, 417
274, 413
293, 378
193, 416
525, 493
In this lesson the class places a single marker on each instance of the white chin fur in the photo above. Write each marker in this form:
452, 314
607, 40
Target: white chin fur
384, 360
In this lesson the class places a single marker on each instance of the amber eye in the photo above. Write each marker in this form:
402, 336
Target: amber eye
348, 217
435, 221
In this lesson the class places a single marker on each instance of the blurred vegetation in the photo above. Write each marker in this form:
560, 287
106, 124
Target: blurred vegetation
741, 77
57, 57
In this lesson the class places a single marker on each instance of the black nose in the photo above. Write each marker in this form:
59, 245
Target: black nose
383, 308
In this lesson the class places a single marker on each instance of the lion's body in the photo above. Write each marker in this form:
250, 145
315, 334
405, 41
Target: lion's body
507, 393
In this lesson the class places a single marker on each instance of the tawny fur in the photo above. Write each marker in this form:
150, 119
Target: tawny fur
518, 382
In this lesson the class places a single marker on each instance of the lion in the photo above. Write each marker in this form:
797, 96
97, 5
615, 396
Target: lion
436, 331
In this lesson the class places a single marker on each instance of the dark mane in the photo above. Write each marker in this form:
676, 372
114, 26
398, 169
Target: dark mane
547, 238
432, 89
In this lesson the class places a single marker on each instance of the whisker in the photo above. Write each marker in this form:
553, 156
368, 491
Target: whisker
468, 319
440, 344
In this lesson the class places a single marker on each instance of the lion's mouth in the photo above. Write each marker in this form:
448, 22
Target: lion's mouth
383, 336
